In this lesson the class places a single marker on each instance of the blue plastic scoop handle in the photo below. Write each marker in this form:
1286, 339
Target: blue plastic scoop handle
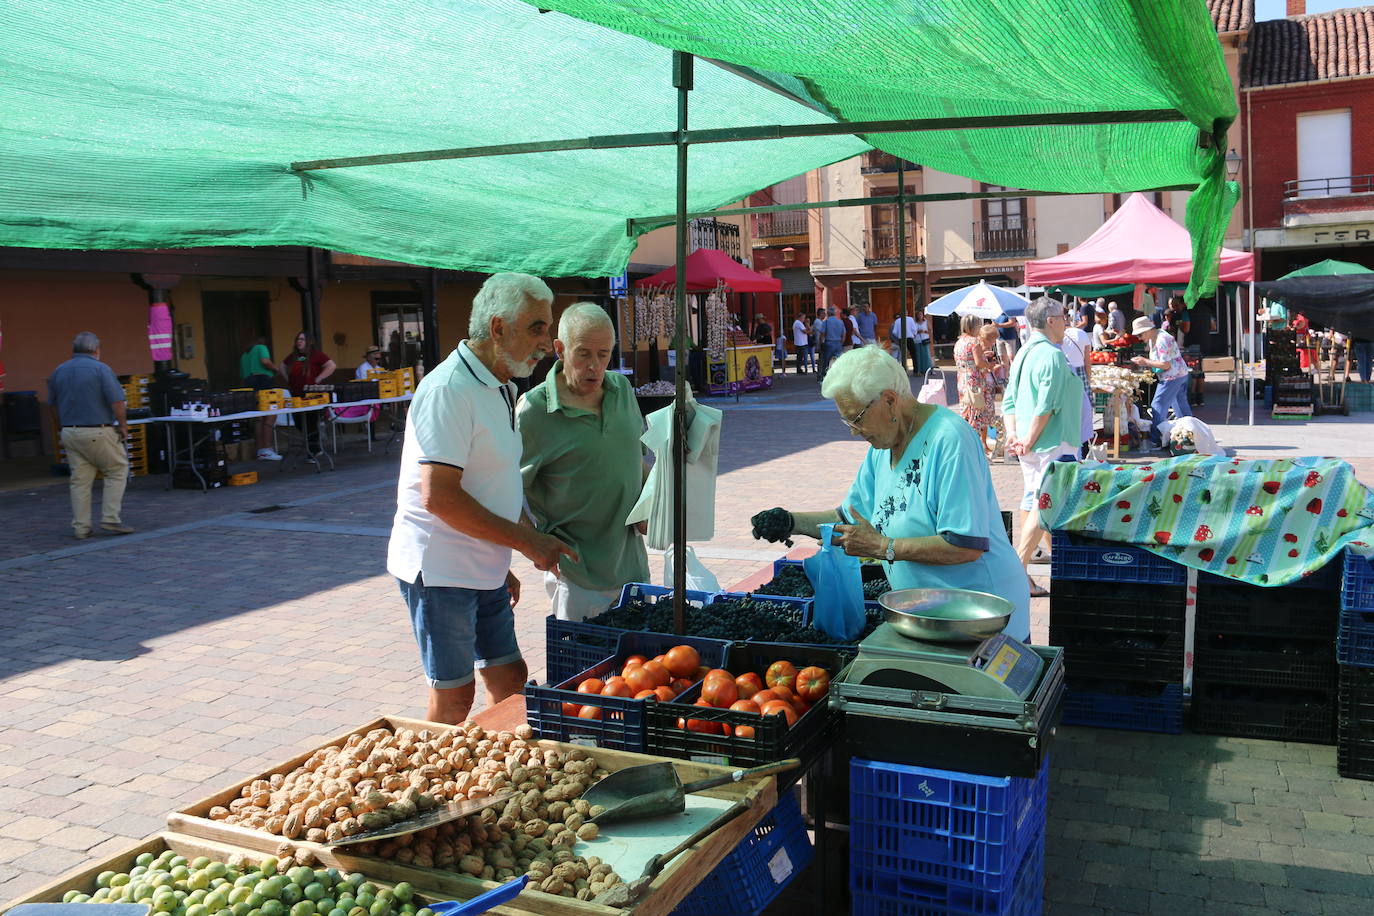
482, 902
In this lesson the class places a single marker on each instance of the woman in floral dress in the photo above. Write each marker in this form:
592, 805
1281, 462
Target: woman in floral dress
976, 397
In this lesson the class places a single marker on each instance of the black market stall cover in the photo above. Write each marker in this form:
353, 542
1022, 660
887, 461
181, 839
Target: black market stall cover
1345, 303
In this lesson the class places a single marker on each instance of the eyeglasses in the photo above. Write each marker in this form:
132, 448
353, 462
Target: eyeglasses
854, 423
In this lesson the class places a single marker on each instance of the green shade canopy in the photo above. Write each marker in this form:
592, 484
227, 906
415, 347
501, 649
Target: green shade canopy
1328, 268
161, 123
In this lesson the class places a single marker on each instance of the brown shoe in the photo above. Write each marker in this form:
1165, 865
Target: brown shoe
82, 535
117, 529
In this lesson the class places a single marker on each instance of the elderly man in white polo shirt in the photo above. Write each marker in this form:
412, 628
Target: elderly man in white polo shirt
459, 501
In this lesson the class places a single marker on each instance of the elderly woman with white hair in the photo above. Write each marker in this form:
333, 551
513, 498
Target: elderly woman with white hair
923, 500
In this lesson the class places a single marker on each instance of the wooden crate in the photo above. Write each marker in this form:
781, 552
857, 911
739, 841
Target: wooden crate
83, 878
673, 884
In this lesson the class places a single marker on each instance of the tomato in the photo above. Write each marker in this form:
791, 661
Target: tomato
744, 731
765, 696
748, 684
590, 712
812, 684
702, 671
646, 695
781, 708
680, 684
784, 694
700, 725
591, 685
571, 710
640, 679
781, 672
659, 672
665, 694
720, 692
616, 687
712, 673
682, 661
634, 660
745, 706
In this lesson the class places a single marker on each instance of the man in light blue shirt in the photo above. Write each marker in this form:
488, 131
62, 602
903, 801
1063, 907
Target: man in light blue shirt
1042, 411
833, 341
868, 324
90, 411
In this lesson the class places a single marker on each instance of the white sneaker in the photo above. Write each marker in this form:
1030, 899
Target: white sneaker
267, 454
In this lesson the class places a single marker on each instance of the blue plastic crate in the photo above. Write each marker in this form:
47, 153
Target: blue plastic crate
943, 828
572, 646
1357, 583
1090, 560
1160, 713
621, 725
755, 872
873, 893
1355, 639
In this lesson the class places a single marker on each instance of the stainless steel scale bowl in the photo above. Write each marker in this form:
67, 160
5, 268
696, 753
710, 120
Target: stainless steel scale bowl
945, 614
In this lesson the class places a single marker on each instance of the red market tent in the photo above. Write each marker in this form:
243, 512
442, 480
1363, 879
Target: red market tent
1139, 244
707, 268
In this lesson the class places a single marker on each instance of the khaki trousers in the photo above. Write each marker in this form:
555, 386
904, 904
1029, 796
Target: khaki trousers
91, 449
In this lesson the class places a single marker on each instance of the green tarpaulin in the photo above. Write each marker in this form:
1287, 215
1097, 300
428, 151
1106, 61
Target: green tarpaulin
140, 123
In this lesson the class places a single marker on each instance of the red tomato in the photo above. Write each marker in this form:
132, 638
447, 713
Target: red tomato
702, 671
660, 673
640, 679
590, 712
713, 673
748, 685
634, 660
591, 685
745, 706
812, 684
744, 731
665, 694
646, 695
616, 687
781, 672
720, 692
682, 661
765, 696
781, 708
783, 693
703, 726
571, 710
680, 684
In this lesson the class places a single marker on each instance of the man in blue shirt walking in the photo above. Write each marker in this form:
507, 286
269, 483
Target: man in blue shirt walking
833, 340
89, 408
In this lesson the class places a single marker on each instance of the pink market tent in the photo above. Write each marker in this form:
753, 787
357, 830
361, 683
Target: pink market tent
707, 268
1139, 244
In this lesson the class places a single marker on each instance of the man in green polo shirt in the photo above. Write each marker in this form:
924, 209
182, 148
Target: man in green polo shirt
1042, 413
583, 465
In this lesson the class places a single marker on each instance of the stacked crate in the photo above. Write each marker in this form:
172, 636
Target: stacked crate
923, 840
135, 390
1118, 612
1355, 651
137, 448
1263, 660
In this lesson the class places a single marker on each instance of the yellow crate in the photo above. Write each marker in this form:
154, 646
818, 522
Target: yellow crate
388, 388
271, 398
243, 479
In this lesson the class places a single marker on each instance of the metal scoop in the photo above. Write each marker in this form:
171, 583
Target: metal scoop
654, 788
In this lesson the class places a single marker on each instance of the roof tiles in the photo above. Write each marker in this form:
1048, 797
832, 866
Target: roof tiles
1305, 48
1232, 15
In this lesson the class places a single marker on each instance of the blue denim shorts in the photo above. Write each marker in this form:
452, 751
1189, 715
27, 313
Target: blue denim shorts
457, 628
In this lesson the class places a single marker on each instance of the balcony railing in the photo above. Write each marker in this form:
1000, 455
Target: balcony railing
1004, 238
881, 246
714, 234
778, 225
876, 162
1328, 187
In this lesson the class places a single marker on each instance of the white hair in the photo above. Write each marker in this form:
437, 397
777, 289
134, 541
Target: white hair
1038, 312
85, 342
504, 296
863, 373
581, 317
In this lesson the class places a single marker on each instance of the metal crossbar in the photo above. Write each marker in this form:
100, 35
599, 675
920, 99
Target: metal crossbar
762, 132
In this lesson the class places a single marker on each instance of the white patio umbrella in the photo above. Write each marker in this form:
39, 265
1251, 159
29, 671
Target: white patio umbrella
979, 299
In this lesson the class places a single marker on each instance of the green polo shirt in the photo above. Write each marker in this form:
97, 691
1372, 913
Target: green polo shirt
583, 472
1041, 382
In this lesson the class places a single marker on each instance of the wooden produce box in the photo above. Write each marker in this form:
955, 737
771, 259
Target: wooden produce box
84, 878
672, 885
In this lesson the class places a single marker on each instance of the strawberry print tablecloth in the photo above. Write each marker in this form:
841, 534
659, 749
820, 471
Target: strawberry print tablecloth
1266, 522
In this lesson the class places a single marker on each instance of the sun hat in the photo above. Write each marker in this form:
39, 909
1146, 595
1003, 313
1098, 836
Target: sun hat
1141, 325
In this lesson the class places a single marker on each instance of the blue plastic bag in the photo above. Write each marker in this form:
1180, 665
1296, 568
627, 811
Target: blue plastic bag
839, 606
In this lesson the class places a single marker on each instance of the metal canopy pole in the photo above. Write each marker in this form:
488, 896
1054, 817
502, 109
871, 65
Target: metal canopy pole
1250, 370
901, 264
764, 132
682, 418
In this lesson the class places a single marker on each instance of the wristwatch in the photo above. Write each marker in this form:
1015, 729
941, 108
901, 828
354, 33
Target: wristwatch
891, 554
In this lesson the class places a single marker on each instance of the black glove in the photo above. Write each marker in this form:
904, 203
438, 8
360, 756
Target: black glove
773, 525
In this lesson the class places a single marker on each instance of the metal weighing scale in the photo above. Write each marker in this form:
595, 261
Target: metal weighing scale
940, 685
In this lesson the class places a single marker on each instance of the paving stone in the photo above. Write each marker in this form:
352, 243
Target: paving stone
1292, 900
76, 838
48, 860
1237, 891
1334, 823
1336, 904
1122, 900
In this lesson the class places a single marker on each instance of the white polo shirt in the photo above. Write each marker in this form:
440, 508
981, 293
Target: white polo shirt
463, 417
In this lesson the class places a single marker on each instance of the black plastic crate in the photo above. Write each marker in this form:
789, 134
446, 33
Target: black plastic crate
1129, 705
1297, 613
1116, 656
1077, 557
573, 646
1354, 755
1118, 607
1271, 713
1356, 691
1327, 578
815, 732
1264, 661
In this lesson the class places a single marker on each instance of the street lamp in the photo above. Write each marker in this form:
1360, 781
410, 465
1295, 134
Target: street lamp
1233, 161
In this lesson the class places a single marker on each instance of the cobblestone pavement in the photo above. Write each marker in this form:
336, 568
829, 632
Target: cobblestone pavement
238, 627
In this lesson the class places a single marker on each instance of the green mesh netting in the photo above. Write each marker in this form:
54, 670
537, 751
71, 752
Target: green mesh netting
878, 59
136, 123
